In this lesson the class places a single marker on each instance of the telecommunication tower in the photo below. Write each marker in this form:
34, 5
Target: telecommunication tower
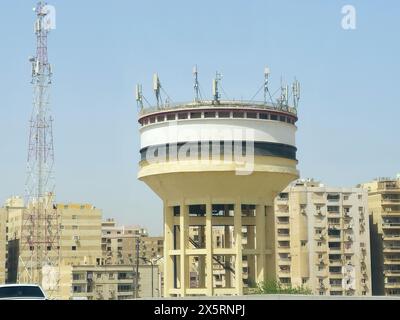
39, 243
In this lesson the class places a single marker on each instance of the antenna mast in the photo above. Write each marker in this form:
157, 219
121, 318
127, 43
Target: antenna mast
215, 88
39, 245
157, 89
196, 84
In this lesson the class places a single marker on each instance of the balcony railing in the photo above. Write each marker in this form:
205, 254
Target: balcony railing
391, 225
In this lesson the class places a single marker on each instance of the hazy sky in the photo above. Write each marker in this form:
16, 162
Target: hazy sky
349, 112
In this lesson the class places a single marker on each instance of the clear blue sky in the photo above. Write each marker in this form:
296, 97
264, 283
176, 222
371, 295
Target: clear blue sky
349, 113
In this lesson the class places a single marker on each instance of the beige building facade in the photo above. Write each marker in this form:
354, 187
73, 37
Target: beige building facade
322, 239
79, 236
107, 282
384, 213
3, 244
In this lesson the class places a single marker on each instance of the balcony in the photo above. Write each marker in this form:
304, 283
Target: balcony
392, 273
391, 237
391, 225
392, 285
391, 249
389, 201
391, 260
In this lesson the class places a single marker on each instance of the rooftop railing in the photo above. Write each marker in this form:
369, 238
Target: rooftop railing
238, 104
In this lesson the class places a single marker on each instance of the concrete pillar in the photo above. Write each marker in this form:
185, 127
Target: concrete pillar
260, 242
202, 259
227, 244
168, 245
209, 248
238, 248
184, 240
251, 258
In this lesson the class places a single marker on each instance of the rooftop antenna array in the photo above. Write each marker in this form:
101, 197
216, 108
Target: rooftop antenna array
287, 92
215, 87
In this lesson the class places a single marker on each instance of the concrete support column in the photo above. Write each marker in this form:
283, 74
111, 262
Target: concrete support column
238, 248
202, 259
209, 248
168, 245
251, 258
184, 240
260, 242
227, 263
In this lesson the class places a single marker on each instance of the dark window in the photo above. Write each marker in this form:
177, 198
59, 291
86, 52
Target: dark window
160, 118
274, 117
224, 114
252, 115
282, 118
73, 248
171, 116
209, 114
152, 120
182, 116
238, 114
264, 116
195, 115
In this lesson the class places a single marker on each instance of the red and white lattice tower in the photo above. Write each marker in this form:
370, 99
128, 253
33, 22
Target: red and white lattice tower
39, 242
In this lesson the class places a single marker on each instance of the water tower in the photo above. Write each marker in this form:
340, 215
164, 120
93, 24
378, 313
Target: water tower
217, 165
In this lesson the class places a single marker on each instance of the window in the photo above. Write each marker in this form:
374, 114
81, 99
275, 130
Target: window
304, 280
321, 293
252, 115
333, 196
319, 244
74, 217
303, 243
195, 115
171, 116
274, 117
282, 118
74, 227
209, 114
160, 118
320, 256
125, 288
73, 248
224, 114
182, 115
152, 119
263, 116
238, 114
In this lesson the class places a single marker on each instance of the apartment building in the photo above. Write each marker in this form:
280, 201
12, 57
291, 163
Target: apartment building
322, 239
384, 213
3, 245
14, 208
118, 243
79, 231
107, 282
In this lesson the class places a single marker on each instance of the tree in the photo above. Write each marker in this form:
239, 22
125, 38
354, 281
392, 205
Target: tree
275, 287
